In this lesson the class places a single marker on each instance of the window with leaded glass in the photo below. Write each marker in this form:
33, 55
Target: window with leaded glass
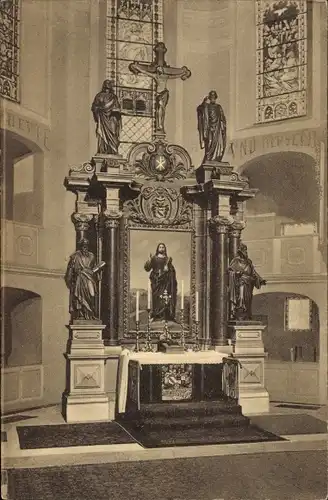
9, 49
133, 29
281, 59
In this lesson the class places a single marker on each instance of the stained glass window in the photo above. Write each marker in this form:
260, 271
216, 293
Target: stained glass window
9, 49
133, 29
281, 59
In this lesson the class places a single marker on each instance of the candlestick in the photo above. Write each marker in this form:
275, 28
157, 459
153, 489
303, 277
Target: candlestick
137, 306
196, 345
137, 336
183, 339
148, 346
148, 296
196, 308
182, 295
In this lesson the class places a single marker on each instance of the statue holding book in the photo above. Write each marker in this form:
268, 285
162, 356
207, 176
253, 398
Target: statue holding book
81, 278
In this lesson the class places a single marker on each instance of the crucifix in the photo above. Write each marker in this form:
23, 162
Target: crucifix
160, 72
166, 299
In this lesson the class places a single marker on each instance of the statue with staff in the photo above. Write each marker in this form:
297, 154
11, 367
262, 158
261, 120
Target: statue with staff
160, 72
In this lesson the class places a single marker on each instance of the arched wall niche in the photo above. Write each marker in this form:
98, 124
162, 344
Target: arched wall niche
288, 185
281, 342
22, 327
22, 181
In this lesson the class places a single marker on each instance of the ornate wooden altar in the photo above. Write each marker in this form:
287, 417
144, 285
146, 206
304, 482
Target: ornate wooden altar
154, 196
156, 201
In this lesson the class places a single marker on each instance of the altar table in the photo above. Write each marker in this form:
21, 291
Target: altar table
158, 377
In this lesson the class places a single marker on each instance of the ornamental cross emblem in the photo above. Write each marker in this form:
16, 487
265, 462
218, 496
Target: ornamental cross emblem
160, 163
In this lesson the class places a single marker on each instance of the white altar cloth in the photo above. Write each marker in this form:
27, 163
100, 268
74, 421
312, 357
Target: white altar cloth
159, 358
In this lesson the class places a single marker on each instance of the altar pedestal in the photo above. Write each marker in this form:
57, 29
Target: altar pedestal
248, 348
180, 396
84, 399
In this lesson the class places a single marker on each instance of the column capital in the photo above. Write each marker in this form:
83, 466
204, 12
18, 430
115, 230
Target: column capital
81, 221
236, 227
221, 223
112, 219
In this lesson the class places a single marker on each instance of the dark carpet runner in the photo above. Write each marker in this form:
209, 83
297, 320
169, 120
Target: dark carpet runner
198, 436
290, 424
65, 435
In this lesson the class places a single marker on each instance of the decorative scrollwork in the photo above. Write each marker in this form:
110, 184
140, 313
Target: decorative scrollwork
160, 207
236, 177
83, 168
160, 161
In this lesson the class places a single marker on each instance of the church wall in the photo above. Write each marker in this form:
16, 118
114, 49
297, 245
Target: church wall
200, 39
245, 64
59, 65
277, 340
35, 57
50, 381
279, 373
26, 325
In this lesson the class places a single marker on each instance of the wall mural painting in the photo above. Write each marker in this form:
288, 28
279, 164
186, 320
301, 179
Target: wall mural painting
9, 53
281, 59
160, 274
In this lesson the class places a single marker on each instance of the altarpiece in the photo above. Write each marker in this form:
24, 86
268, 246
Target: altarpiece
163, 234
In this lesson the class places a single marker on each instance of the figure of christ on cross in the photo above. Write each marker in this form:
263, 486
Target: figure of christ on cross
160, 72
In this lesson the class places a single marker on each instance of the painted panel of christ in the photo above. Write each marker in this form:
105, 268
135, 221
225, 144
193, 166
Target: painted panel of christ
159, 262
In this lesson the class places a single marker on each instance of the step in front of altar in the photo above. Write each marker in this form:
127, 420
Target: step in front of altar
216, 414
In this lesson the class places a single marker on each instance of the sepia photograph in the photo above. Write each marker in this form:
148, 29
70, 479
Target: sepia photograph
163, 249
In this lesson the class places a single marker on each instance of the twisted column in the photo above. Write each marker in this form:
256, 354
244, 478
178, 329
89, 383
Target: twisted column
110, 292
219, 279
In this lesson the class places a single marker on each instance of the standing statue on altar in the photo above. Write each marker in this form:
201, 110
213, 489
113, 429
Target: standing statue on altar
163, 285
242, 280
106, 111
80, 278
212, 128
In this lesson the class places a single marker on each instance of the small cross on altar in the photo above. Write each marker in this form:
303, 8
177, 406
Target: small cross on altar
160, 72
166, 297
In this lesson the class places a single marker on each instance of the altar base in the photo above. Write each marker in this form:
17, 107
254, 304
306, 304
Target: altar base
248, 348
84, 399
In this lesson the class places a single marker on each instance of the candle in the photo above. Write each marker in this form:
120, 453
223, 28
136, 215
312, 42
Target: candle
196, 311
137, 306
148, 296
182, 296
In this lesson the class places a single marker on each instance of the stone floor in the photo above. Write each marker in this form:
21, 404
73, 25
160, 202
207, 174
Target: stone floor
294, 469
13, 456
